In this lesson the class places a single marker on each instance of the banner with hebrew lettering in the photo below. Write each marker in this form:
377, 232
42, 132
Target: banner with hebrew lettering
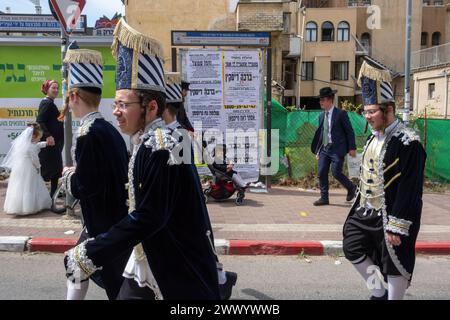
23, 69
225, 104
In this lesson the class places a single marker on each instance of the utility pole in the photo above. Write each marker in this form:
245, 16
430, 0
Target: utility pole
406, 111
300, 10
269, 117
67, 119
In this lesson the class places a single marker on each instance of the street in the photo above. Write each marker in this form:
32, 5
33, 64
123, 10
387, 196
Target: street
41, 277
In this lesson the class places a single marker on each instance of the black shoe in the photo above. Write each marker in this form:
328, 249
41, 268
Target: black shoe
226, 288
321, 202
384, 297
351, 194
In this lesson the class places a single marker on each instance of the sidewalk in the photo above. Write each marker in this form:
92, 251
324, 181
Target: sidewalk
283, 221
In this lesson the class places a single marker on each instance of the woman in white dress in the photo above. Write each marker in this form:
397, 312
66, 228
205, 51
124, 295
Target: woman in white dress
26, 193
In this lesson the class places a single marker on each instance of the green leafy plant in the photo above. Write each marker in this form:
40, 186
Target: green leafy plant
349, 106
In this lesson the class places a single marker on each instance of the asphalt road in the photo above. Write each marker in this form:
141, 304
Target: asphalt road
41, 277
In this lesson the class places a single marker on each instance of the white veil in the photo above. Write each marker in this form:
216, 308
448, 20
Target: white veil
19, 149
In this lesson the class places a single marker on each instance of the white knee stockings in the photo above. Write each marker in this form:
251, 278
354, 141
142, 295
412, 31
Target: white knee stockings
77, 291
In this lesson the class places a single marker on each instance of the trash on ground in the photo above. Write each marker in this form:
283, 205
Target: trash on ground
303, 214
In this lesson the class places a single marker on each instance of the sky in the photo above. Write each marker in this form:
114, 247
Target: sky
94, 9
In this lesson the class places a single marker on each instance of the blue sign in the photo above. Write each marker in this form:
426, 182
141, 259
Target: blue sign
221, 38
35, 23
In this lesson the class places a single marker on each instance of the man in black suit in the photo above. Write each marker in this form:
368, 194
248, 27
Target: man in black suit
333, 140
182, 117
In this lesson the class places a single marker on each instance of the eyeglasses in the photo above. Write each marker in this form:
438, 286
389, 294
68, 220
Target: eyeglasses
370, 112
122, 105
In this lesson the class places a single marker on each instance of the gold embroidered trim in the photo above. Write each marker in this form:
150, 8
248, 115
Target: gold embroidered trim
392, 180
392, 165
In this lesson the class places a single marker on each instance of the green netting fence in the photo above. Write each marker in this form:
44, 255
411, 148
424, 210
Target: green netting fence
434, 137
297, 128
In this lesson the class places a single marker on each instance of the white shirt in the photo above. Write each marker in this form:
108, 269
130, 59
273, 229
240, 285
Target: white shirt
330, 115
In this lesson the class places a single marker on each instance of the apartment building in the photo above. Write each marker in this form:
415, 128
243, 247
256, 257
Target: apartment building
315, 43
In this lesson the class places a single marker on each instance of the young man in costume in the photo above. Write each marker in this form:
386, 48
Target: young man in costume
174, 101
173, 256
383, 224
100, 175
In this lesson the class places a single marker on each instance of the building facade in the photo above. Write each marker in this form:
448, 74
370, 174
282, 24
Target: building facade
315, 43
431, 71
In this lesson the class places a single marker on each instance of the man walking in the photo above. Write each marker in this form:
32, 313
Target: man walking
332, 141
100, 175
173, 255
382, 227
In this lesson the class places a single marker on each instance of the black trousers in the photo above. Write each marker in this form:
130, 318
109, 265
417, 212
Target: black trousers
328, 158
364, 236
130, 290
53, 185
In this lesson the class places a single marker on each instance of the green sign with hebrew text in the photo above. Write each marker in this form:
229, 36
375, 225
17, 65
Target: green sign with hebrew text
23, 69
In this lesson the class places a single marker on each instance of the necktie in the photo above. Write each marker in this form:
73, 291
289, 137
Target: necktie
325, 130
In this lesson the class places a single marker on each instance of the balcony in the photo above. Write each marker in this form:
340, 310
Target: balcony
431, 57
252, 15
316, 3
359, 3
262, 20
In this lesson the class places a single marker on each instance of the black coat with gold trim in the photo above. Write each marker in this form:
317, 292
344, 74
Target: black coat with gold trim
170, 220
99, 182
403, 172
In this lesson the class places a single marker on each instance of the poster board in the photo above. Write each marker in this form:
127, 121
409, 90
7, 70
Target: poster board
225, 104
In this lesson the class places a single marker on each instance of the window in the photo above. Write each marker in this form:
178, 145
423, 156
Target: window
431, 90
343, 31
339, 70
438, 2
289, 75
424, 39
286, 22
365, 41
436, 39
307, 71
311, 32
327, 31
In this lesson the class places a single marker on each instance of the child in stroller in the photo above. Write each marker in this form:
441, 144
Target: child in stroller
226, 181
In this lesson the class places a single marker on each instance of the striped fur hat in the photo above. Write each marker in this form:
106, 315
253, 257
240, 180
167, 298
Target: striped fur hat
139, 60
173, 87
85, 68
375, 83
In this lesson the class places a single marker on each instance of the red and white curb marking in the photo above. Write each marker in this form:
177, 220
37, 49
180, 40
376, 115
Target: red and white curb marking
223, 247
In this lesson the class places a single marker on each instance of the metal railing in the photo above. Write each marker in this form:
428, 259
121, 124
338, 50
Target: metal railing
431, 57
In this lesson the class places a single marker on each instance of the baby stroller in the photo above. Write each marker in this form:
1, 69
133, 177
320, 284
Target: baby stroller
59, 203
222, 187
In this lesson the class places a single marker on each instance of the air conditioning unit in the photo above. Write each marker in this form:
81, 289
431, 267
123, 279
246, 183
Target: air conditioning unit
295, 47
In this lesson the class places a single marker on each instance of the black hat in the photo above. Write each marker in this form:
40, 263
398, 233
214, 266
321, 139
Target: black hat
326, 92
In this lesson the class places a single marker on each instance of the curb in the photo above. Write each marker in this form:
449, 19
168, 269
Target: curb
248, 247
223, 247
13, 244
53, 245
